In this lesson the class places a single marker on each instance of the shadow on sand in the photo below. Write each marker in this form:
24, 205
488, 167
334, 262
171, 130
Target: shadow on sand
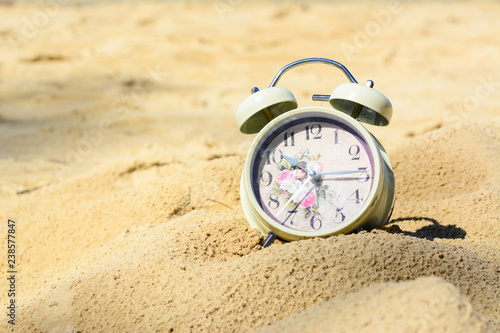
430, 232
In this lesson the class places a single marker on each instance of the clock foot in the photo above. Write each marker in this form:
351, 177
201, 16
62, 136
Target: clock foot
269, 240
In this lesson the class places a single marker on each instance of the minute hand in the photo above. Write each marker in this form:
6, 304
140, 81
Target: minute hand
340, 172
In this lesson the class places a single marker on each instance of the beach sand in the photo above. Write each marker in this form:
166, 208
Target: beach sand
120, 164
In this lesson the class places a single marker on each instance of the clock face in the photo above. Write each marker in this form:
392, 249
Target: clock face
312, 172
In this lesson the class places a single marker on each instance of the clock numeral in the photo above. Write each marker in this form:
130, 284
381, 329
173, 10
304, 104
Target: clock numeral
364, 176
291, 137
291, 215
266, 178
315, 130
276, 156
355, 197
316, 223
336, 136
354, 151
273, 201
339, 216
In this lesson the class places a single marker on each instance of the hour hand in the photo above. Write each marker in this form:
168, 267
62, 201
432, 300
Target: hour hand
293, 162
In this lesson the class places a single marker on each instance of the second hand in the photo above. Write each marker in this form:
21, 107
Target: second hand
293, 197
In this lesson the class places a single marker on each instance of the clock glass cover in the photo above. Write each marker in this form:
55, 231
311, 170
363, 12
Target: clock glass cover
312, 172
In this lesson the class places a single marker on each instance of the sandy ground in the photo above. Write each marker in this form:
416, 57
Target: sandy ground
120, 162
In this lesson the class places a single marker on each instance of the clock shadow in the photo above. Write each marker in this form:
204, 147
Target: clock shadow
429, 232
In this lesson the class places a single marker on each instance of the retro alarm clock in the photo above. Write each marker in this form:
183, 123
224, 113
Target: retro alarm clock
315, 171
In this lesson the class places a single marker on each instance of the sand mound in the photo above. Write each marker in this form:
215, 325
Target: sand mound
210, 262
160, 190
448, 186
426, 304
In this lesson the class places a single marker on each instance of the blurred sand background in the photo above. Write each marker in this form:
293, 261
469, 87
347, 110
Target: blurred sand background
120, 163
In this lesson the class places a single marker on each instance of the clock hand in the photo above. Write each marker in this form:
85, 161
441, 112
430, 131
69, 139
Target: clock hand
340, 172
316, 193
295, 163
294, 195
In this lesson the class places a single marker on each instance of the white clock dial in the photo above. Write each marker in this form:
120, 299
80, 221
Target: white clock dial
312, 172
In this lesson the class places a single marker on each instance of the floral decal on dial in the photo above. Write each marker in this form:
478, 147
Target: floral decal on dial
291, 185
312, 174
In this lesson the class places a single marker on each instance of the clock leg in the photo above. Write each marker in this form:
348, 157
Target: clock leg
269, 240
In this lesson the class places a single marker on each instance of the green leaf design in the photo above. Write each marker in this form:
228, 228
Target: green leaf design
288, 166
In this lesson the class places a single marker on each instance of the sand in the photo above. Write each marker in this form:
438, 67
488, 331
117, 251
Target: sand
120, 164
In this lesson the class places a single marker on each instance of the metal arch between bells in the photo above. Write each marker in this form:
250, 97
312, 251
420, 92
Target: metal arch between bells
309, 61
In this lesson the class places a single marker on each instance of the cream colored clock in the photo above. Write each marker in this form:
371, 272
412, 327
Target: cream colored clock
315, 171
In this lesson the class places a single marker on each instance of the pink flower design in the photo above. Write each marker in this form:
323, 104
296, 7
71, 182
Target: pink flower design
285, 177
303, 195
286, 180
309, 200
299, 173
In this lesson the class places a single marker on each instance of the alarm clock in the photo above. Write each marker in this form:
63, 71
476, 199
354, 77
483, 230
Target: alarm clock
315, 171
